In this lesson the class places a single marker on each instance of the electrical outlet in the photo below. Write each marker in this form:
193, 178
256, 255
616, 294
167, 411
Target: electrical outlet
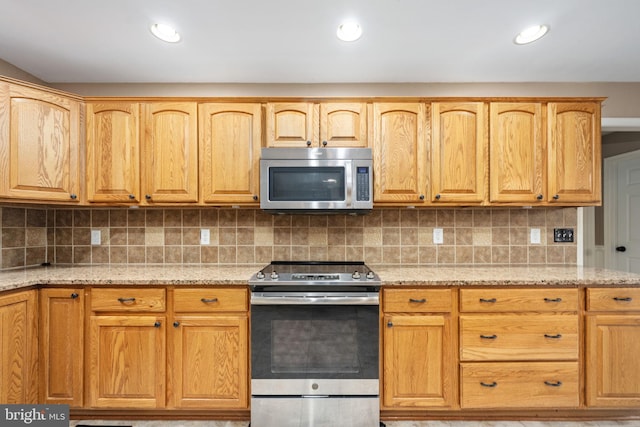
205, 236
535, 236
563, 235
95, 237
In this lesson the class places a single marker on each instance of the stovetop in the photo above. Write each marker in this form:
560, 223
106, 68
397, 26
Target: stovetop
315, 273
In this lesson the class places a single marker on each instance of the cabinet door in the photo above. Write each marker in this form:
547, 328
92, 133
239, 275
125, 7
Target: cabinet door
399, 153
419, 362
39, 145
230, 143
574, 152
61, 346
127, 357
18, 348
459, 152
292, 124
343, 124
209, 368
113, 152
518, 156
613, 372
170, 152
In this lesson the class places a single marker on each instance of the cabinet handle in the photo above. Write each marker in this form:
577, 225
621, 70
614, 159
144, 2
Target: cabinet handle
539, 197
126, 300
389, 324
553, 383
147, 196
308, 143
553, 300
157, 324
176, 324
131, 197
488, 300
489, 337
556, 197
324, 143
74, 295
438, 196
623, 299
418, 301
73, 196
555, 337
491, 385
208, 300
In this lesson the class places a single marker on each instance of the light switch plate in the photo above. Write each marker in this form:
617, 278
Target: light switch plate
535, 236
438, 236
96, 237
205, 236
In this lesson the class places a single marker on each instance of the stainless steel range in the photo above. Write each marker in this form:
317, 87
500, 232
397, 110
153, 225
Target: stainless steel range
315, 345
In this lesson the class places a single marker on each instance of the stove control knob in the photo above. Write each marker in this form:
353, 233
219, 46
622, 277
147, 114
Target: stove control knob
260, 275
355, 275
371, 275
274, 275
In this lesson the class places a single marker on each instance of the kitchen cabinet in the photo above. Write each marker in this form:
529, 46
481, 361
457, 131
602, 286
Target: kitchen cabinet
325, 124
230, 144
459, 152
208, 349
18, 348
613, 345
166, 135
127, 348
39, 145
418, 349
61, 346
574, 153
518, 160
513, 340
400, 153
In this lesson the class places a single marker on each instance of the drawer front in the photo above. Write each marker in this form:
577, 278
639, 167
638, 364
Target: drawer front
519, 385
128, 299
209, 299
510, 300
613, 299
518, 337
416, 300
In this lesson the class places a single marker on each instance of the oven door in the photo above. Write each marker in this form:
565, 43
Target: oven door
302, 338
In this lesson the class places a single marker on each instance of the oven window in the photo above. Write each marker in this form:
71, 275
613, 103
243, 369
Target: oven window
314, 341
291, 184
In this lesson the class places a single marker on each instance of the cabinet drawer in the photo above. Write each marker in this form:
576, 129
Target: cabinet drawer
128, 299
519, 337
209, 299
519, 385
613, 299
510, 300
416, 300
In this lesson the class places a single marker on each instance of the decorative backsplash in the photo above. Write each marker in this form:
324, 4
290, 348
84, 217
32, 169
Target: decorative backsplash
32, 236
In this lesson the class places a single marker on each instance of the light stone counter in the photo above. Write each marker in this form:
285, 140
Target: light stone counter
542, 275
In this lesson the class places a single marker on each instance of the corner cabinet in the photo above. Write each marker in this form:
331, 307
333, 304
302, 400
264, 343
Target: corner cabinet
39, 145
230, 143
19, 348
613, 346
400, 153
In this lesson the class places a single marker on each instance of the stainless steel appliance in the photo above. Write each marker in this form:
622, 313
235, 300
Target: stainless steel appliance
315, 345
316, 180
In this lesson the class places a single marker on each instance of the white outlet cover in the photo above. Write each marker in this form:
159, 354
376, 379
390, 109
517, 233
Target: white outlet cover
535, 236
96, 237
438, 236
205, 236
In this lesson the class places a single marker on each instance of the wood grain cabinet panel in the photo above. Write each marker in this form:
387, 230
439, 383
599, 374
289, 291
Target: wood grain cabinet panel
343, 124
39, 145
292, 124
518, 300
417, 300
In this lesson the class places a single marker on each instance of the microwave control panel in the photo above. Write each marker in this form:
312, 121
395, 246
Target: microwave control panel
362, 184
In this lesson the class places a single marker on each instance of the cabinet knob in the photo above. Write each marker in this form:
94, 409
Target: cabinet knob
147, 196
74, 295
421, 197
255, 197
131, 197
539, 197
157, 324
324, 143
389, 324
556, 196
438, 196
73, 196
308, 143
176, 324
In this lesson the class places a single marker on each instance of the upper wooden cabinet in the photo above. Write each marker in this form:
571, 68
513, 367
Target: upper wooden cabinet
328, 124
230, 143
39, 145
575, 158
518, 155
459, 143
399, 153
163, 134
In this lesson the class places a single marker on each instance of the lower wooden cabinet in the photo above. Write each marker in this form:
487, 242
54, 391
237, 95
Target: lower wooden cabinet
18, 348
61, 346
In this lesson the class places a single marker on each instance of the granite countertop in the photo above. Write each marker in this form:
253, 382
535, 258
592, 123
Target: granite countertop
542, 275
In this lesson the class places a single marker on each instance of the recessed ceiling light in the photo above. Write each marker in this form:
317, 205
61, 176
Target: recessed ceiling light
531, 34
349, 31
165, 33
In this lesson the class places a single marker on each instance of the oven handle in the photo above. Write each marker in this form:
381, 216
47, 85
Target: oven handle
277, 298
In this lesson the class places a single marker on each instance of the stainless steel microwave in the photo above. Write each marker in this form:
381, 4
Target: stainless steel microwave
316, 180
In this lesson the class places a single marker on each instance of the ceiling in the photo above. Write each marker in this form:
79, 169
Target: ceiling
294, 41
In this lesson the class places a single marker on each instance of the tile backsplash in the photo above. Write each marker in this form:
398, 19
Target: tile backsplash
31, 236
